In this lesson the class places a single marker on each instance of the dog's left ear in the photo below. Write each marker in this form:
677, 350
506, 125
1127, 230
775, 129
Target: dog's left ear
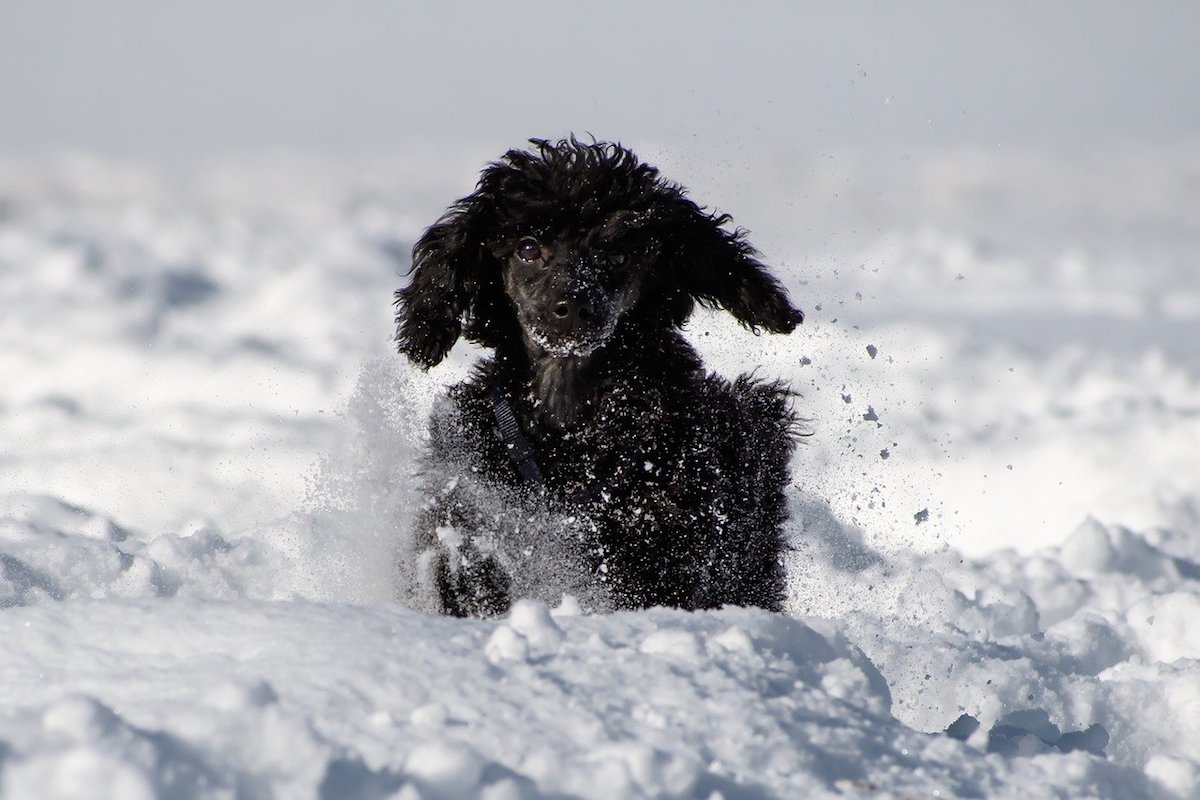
718, 267
445, 272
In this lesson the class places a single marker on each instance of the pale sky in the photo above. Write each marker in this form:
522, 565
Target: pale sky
152, 77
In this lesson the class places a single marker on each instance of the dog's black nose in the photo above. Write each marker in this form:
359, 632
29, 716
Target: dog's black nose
571, 314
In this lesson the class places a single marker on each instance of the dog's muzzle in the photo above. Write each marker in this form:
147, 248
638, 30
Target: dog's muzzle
574, 325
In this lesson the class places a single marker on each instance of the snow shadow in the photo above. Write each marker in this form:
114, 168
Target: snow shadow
812, 525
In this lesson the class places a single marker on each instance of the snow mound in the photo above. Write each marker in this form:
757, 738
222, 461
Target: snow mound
233, 698
159, 667
50, 550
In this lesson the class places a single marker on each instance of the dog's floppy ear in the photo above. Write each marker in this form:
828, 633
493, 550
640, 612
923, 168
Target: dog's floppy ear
445, 272
718, 267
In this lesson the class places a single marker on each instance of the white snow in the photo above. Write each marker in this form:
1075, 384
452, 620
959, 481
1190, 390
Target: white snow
206, 458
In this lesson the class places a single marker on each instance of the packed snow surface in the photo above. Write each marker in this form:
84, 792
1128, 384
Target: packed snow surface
206, 469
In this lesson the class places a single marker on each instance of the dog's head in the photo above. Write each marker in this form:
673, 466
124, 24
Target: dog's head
562, 245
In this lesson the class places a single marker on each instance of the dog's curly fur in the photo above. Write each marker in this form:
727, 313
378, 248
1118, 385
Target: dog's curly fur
662, 485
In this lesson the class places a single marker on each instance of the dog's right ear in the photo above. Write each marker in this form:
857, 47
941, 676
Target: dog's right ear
445, 271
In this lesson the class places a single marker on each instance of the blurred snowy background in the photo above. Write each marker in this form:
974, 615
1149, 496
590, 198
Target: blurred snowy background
987, 212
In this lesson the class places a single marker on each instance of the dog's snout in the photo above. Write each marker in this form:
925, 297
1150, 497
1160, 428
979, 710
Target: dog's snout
571, 313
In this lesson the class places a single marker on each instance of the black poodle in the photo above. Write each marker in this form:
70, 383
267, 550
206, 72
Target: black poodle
593, 455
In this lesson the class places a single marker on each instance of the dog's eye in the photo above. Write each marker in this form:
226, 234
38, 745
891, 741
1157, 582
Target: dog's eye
528, 250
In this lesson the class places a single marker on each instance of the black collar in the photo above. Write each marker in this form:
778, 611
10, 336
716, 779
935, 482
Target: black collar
520, 452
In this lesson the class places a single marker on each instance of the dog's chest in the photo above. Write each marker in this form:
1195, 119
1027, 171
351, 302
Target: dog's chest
631, 439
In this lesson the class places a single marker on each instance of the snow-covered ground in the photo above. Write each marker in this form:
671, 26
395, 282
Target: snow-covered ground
206, 450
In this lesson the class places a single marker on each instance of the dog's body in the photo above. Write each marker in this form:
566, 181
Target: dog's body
593, 455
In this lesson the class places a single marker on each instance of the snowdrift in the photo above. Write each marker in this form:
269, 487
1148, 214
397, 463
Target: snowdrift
206, 463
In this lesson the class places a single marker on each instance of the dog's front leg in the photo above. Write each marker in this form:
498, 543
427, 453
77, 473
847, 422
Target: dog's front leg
458, 569
468, 582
